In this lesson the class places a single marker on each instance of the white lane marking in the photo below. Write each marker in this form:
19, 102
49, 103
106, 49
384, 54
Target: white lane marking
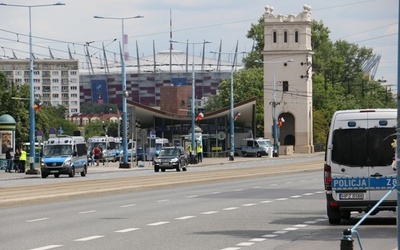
245, 244
282, 199
308, 194
289, 182
280, 232
185, 217
257, 187
320, 192
310, 222
87, 212
269, 235
321, 219
47, 247
249, 204
129, 205
94, 237
266, 201
230, 208
295, 196
126, 230
158, 223
237, 190
273, 185
300, 225
192, 196
257, 239
210, 212
39, 219
215, 192
291, 228
162, 200
231, 248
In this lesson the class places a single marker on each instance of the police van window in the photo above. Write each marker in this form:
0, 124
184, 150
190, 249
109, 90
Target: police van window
81, 148
349, 147
380, 149
362, 147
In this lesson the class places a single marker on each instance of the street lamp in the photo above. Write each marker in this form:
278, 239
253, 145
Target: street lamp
31, 86
273, 103
193, 91
124, 164
232, 116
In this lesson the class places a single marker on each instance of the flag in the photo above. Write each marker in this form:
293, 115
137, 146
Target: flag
199, 116
37, 105
237, 115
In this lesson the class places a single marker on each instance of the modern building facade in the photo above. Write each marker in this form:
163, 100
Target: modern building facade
56, 81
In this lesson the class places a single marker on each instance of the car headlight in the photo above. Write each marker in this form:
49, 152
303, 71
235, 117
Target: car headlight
67, 163
157, 160
174, 160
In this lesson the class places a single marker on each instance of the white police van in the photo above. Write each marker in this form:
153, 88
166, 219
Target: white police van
64, 155
358, 168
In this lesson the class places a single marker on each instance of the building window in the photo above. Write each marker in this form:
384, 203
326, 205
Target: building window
73, 73
54, 80
54, 73
296, 36
55, 95
285, 37
55, 88
285, 86
74, 95
74, 88
274, 36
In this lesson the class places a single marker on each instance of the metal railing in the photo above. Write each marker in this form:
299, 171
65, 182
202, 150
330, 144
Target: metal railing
346, 243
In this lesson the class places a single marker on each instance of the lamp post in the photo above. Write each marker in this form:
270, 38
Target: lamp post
31, 85
274, 103
232, 115
193, 92
124, 164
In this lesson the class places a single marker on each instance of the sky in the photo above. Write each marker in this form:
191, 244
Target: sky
369, 23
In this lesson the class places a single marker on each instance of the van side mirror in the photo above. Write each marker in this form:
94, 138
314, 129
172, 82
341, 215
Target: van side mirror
75, 153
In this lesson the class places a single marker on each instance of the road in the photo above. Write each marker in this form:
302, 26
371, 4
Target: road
198, 209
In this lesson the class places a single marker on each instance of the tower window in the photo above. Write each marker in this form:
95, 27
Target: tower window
285, 37
285, 86
296, 36
274, 36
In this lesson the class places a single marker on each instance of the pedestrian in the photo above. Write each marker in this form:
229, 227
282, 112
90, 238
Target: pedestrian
22, 160
199, 151
91, 155
9, 160
17, 154
96, 153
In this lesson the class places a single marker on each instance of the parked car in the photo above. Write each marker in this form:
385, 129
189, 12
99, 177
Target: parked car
132, 154
171, 158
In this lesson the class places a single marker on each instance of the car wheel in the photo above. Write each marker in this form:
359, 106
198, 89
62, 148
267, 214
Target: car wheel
185, 166
178, 167
156, 169
163, 170
56, 175
258, 154
245, 154
72, 173
84, 172
44, 175
333, 216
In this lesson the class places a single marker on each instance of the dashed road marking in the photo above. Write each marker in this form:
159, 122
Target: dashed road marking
229, 208
282, 199
94, 237
129, 205
185, 217
269, 235
47, 247
158, 223
162, 200
87, 212
249, 204
210, 212
192, 196
245, 244
126, 230
39, 219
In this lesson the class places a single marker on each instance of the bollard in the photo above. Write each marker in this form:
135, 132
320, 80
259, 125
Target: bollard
346, 243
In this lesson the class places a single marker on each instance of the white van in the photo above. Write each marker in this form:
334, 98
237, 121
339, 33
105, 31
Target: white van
64, 155
358, 162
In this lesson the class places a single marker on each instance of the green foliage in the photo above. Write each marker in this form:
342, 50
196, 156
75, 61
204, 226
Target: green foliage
94, 128
95, 108
14, 100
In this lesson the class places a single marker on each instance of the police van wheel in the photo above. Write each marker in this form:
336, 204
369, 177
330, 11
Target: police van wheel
56, 175
245, 154
44, 175
156, 169
84, 172
258, 154
72, 173
334, 221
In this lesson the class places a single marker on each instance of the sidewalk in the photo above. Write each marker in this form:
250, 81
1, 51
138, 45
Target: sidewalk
147, 165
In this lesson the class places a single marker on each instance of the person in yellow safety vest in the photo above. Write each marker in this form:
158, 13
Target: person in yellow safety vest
199, 150
22, 160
